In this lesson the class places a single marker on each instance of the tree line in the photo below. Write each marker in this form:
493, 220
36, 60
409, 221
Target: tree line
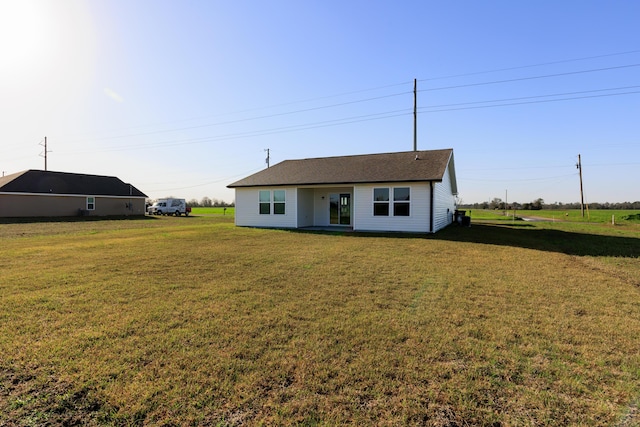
499, 204
207, 202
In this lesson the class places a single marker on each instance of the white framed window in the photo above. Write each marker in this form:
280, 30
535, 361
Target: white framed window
91, 203
279, 202
265, 202
392, 201
380, 202
272, 202
401, 201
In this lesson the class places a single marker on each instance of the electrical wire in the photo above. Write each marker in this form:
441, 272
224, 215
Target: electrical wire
475, 179
361, 101
569, 73
529, 102
564, 61
532, 97
262, 132
357, 119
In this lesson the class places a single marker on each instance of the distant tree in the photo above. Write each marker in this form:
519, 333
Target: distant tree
206, 202
537, 204
496, 203
193, 203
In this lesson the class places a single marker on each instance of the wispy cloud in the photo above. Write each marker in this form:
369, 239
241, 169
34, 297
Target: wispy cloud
113, 95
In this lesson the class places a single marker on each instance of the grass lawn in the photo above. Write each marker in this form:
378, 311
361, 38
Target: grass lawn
213, 211
604, 216
192, 321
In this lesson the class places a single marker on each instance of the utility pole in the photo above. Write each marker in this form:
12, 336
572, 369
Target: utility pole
267, 159
45, 152
579, 166
415, 115
506, 197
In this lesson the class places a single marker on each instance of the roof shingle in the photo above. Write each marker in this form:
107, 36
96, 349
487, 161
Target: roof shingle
39, 182
408, 166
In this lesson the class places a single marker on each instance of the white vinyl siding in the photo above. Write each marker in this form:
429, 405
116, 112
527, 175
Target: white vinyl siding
305, 198
444, 202
417, 221
247, 210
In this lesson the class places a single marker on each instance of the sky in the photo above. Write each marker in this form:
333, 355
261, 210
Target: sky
182, 98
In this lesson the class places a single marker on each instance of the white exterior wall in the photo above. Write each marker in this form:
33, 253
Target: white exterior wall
444, 202
321, 203
305, 207
417, 221
248, 214
309, 206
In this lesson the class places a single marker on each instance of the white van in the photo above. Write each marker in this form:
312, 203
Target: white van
175, 207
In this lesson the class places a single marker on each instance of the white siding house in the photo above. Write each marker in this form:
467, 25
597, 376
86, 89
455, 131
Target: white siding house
402, 192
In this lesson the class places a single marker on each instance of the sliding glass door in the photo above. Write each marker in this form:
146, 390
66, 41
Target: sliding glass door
340, 209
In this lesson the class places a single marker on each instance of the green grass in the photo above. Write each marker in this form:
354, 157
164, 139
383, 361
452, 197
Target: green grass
174, 321
213, 211
572, 215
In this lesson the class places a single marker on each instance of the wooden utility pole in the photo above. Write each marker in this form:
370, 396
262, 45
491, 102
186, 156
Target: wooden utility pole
267, 159
415, 115
579, 166
45, 152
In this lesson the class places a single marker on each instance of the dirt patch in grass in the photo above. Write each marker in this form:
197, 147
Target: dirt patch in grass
43, 400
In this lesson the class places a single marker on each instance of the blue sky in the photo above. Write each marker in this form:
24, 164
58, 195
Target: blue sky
182, 98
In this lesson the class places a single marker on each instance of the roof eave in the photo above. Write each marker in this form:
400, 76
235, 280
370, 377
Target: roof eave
301, 184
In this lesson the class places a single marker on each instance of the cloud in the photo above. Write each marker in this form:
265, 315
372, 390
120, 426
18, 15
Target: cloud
113, 95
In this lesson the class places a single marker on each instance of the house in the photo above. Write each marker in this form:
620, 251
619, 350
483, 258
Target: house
37, 193
411, 191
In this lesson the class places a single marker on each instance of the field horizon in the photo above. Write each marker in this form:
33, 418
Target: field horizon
193, 321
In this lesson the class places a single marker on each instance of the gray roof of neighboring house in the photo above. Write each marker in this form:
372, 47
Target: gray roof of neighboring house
40, 182
408, 166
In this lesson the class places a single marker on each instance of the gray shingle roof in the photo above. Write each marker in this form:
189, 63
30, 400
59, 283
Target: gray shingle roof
408, 166
38, 182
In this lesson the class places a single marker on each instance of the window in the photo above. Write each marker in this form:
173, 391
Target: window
91, 203
278, 202
265, 202
279, 199
401, 201
381, 202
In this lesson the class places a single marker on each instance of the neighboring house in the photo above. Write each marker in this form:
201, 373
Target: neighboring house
37, 193
411, 191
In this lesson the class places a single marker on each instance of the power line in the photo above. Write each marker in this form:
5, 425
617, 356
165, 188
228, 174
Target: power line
362, 101
384, 87
262, 132
366, 117
594, 70
253, 118
376, 116
209, 182
356, 119
530, 102
532, 97
265, 108
564, 61
518, 180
